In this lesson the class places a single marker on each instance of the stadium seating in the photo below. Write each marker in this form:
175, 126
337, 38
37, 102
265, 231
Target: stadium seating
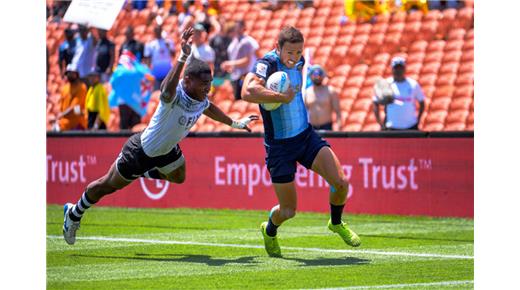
438, 46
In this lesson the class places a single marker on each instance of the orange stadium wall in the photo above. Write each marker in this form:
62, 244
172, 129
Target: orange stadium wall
414, 175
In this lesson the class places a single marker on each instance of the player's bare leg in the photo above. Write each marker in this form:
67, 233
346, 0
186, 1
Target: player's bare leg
286, 209
176, 176
107, 184
287, 200
72, 213
327, 165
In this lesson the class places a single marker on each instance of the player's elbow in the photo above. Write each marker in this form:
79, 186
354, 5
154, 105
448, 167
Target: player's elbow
245, 94
248, 92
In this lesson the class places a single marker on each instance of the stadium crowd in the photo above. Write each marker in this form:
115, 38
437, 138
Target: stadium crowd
106, 83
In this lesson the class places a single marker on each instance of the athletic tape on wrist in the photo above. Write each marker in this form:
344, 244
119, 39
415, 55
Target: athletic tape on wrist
183, 57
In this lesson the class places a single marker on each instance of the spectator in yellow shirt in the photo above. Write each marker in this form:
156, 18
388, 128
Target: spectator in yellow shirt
97, 103
409, 5
365, 10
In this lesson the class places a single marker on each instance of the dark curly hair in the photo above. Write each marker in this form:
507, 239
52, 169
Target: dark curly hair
196, 68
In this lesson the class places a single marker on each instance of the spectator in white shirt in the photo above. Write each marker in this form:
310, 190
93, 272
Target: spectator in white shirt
200, 48
400, 109
242, 57
158, 54
84, 55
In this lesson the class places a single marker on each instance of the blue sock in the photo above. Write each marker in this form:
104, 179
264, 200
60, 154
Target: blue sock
271, 229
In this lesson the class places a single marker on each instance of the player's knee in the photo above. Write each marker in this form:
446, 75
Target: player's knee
287, 213
177, 177
341, 186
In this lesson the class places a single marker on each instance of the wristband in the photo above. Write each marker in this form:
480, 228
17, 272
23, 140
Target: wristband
183, 57
241, 124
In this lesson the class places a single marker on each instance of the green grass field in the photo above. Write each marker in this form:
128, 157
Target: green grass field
119, 248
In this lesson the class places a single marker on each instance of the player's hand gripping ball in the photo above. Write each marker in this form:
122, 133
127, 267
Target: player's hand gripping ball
278, 82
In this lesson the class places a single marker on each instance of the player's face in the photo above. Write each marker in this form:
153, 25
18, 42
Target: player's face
290, 53
199, 87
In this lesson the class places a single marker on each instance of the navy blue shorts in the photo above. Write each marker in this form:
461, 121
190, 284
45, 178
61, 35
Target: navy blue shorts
282, 155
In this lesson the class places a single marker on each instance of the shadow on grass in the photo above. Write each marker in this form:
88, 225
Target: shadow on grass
329, 261
199, 259
243, 261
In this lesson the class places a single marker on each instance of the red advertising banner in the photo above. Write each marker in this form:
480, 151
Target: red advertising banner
402, 176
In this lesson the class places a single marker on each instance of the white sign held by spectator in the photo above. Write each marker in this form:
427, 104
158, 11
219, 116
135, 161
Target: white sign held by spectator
96, 13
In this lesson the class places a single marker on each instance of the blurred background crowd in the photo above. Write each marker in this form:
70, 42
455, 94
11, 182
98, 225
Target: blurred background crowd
109, 80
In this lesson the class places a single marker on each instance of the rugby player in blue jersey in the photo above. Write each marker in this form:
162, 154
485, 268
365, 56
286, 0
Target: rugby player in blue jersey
289, 138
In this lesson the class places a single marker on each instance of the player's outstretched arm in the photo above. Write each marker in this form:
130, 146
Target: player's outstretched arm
254, 91
170, 82
216, 114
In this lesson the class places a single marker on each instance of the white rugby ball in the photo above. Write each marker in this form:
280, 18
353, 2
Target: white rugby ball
278, 82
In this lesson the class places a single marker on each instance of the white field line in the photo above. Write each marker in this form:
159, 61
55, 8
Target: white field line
413, 285
170, 242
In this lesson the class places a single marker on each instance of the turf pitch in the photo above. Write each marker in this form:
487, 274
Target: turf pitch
121, 248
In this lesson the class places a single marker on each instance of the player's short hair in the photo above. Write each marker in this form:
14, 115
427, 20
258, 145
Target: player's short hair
196, 68
289, 34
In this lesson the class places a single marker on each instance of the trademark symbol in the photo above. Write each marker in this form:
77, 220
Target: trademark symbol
425, 164
91, 159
